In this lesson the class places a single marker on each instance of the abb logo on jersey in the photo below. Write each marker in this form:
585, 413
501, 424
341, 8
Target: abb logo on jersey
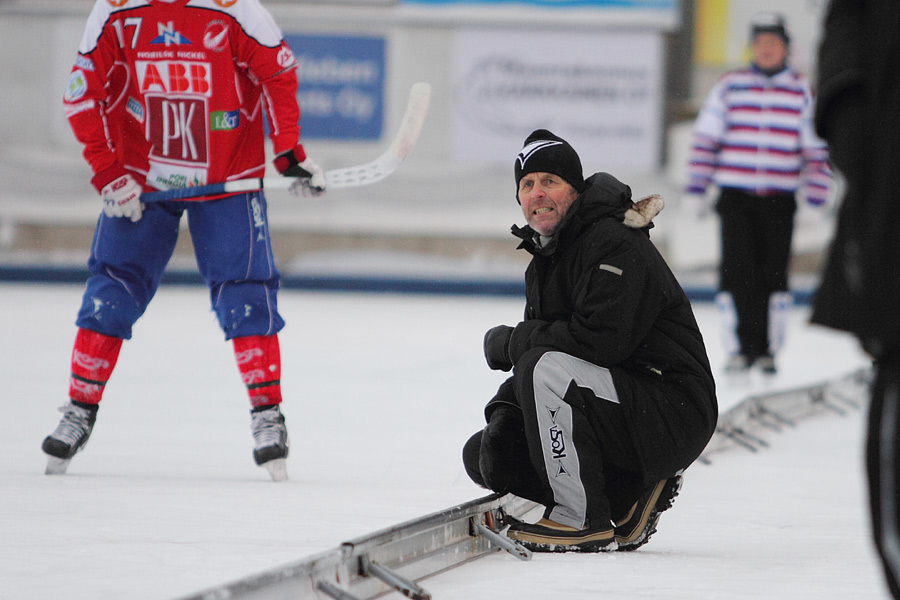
174, 76
175, 93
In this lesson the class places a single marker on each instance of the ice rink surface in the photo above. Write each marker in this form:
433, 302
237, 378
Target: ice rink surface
381, 392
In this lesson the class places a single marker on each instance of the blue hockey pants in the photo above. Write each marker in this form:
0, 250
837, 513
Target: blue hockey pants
233, 251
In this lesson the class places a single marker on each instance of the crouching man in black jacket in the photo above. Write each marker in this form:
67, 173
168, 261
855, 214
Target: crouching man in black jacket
611, 396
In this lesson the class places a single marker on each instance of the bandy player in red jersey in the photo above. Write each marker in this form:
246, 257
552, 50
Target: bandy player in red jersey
170, 94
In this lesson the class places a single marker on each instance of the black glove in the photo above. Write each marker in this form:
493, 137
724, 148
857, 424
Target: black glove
503, 447
496, 348
310, 177
504, 399
503, 462
471, 456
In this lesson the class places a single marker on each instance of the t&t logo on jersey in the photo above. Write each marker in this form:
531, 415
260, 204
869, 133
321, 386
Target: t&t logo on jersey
222, 120
174, 76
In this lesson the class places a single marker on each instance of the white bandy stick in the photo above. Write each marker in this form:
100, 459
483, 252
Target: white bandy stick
378, 169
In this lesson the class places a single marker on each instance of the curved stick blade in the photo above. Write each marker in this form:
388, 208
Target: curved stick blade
404, 140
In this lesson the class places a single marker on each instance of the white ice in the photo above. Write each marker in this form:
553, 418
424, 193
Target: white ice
381, 393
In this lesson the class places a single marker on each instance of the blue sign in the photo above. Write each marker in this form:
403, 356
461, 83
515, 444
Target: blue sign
341, 85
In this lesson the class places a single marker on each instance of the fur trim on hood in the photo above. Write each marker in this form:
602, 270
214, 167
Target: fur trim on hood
605, 197
642, 212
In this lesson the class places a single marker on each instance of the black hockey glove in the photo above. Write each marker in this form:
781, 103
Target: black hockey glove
310, 177
496, 348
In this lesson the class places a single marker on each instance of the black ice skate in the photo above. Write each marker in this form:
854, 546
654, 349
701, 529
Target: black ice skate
70, 435
549, 536
634, 529
270, 439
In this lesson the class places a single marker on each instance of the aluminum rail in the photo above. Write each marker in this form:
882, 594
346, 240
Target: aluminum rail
389, 560
747, 424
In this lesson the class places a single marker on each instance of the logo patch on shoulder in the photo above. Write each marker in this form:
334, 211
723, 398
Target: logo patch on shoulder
216, 36
135, 109
83, 62
76, 87
611, 269
285, 56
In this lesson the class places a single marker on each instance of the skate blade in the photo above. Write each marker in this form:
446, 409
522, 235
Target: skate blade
277, 468
57, 466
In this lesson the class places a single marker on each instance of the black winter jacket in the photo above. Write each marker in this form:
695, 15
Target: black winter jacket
600, 291
856, 112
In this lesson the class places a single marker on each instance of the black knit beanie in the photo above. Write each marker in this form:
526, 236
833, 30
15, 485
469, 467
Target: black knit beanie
544, 152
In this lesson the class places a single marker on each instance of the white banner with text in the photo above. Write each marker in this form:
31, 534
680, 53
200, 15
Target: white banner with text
603, 92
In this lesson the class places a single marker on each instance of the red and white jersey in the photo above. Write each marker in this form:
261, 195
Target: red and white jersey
174, 92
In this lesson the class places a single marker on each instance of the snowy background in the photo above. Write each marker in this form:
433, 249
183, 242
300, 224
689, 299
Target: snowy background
381, 392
